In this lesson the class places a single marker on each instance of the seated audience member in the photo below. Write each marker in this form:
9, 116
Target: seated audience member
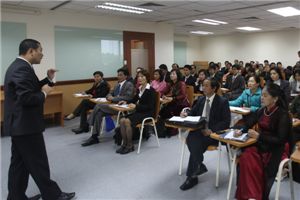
188, 78
193, 71
235, 83
100, 88
216, 109
295, 110
266, 73
288, 71
135, 81
166, 73
258, 164
145, 107
199, 81
158, 84
175, 66
123, 91
277, 79
213, 72
295, 85
176, 95
250, 98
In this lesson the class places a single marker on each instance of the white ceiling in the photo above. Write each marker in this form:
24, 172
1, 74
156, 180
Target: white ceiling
181, 13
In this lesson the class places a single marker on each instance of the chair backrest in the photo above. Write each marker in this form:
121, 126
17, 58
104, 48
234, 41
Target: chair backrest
157, 105
190, 94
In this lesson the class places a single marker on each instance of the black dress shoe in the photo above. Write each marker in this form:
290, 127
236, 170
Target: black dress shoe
189, 183
201, 169
66, 196
90, 141
36, 197
127, 150
80, 130
120, 149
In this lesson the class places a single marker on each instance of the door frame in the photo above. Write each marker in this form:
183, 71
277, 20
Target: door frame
148, 37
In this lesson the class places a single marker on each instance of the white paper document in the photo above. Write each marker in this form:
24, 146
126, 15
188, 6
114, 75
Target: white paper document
101, 99
230, 136
122, 106
81, 95
185, 119
239, 109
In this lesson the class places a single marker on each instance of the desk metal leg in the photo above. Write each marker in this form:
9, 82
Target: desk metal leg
218, 167
291, 180
229, 157
181, 156
231, 173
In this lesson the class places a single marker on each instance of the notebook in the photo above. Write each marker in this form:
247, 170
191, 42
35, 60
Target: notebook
229, 135
197, 122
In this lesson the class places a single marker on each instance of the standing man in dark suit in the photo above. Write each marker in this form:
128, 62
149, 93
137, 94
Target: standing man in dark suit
123, 91
216, 109
23, 121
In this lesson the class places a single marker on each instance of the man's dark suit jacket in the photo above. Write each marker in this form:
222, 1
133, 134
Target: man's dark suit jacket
219, 113
24, 100
236, 87
190, 80
101, 90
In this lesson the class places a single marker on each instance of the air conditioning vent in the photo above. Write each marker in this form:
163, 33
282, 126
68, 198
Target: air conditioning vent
150, 4
251, 18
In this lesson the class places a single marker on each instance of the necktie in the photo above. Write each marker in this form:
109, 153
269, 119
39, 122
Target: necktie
117, 90
207, 109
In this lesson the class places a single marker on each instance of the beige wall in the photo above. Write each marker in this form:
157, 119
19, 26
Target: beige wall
41, 27
273, 46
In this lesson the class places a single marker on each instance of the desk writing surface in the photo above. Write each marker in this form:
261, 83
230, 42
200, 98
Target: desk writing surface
296, 156
118, 108
53, 105
237, 144
99, 101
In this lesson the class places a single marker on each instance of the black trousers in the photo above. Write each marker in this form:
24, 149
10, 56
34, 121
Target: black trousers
29, 157
197, 144
81, 110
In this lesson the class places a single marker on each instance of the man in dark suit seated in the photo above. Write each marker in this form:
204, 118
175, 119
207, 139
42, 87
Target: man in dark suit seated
24, 101
235, 82
216, 110
123, 91
99, 89
188, 78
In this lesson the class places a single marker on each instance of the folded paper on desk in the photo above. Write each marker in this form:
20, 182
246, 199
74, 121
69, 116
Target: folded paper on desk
81, 95
229, 135
101, 99
239, 109
189, 121
121, 106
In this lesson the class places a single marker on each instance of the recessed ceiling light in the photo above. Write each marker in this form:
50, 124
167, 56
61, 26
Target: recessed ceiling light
127, 7
215, 21
119, 9
209, 21
285, 11
205, 22
248, 28
201, 32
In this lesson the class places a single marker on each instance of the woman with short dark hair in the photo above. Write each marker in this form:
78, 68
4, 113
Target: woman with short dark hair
158, 84
144, 107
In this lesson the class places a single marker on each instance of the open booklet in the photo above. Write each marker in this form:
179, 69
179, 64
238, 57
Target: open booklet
196, 122
239, 109
121, 106
185, 119
101, 99
81, 95
229, 135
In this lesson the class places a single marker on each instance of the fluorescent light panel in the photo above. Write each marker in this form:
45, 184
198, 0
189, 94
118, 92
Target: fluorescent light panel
127, 7
209, 21
248, 28
285, 11
205, 22
201, 32
215, 21
119, 9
